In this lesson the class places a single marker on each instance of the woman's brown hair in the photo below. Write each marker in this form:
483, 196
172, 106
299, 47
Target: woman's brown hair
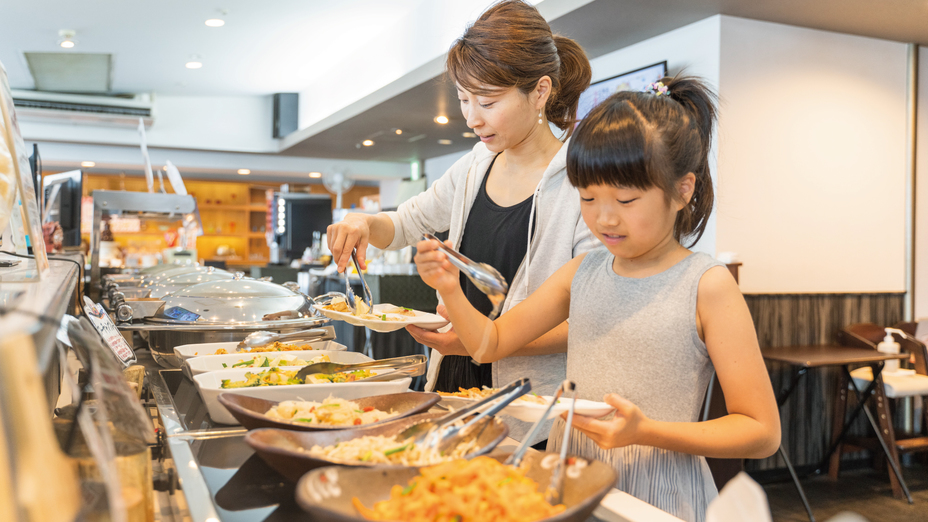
511, 45
644, 140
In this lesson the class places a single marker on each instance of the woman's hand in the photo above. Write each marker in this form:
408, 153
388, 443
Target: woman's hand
445, 343
346, 235
624, 429
434, 267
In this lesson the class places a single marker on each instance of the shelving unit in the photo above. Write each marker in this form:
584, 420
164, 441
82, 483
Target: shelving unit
234, 215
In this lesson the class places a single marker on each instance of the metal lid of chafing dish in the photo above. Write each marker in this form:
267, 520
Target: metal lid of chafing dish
172, 284
234, 302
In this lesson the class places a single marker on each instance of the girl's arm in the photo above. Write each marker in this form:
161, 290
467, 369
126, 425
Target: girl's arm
752, 427
486, 340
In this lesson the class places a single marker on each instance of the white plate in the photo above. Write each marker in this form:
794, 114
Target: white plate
532, 412
211, 363
422, 319
188, 351
209, 386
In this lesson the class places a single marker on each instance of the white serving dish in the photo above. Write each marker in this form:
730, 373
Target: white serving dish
532, 412
209, 386
422, 319
189, 351
212, 363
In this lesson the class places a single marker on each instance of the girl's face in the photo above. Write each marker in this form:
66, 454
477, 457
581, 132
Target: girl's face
632, 222
502, 119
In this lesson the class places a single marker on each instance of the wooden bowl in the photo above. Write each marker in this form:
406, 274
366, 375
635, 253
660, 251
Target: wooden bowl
250, 411
326, 493
287, 451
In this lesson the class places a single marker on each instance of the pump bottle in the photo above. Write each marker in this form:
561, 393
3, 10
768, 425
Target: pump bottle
890, 346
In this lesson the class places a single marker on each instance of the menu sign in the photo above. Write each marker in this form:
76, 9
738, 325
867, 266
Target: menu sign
107, 329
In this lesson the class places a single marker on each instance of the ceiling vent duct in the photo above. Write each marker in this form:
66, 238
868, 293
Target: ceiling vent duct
120, 111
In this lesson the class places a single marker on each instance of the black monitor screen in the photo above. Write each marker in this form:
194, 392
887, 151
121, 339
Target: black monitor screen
305, 215
62, 193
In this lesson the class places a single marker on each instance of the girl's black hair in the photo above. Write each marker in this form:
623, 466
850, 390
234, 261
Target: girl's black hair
643, 140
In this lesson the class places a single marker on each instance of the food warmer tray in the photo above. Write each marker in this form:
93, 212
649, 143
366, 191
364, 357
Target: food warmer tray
223, 479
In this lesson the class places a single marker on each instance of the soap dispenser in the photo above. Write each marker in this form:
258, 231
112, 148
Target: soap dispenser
890, 346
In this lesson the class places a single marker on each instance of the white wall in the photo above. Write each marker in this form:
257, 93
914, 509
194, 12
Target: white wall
921, 190
225, 123
811, 159
693, 49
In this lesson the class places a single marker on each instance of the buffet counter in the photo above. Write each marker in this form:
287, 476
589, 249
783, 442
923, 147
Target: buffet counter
224, 480
23, 302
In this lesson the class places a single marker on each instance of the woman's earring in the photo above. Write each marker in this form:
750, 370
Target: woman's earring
539, 118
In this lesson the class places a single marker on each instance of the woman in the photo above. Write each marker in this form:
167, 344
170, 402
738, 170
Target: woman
508, 202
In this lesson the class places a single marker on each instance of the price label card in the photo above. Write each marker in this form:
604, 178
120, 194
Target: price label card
107, 329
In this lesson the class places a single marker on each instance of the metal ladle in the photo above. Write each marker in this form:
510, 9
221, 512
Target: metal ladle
263, 338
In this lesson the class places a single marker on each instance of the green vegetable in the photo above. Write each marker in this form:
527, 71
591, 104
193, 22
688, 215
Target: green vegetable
242, 363
334, 405
506, 480
303, 420
408, 489
383, 317
367, 456
224, 383
267, 362
224, 365
399, 449
359, 411
407, 309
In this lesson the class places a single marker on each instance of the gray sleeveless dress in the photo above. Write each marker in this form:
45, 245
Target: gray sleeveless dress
638, 338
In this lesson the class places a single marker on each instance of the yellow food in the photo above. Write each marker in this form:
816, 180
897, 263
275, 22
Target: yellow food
276, 377
258, 361
330, 412
280, 347
464, 491
477, 393
363, 311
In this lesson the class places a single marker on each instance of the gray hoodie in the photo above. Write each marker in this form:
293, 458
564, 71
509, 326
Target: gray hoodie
560, 236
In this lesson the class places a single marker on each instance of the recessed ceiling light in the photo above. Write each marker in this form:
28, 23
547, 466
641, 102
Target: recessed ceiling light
398, 131
67, 38
367, 143
469, 135
193, 65
444, 142
88, 164
315, 174
244, 172
215, 22
441, 120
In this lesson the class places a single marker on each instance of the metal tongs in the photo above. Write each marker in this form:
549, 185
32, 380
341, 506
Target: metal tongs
349, 293
443, 432
411, 365
555, 492
263, 338
486, 278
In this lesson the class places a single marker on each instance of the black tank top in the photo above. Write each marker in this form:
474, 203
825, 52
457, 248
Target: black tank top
497, 236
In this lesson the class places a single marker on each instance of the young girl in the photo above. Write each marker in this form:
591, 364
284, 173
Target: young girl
649, 319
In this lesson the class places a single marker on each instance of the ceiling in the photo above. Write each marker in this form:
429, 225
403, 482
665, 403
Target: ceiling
291, 45
601, 27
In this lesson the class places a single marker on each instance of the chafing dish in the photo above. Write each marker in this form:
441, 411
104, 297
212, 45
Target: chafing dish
221, 311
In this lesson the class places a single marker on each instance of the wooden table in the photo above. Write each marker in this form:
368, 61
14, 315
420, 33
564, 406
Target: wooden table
802, 358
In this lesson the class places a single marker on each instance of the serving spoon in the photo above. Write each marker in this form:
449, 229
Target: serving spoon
328, 368
263, 338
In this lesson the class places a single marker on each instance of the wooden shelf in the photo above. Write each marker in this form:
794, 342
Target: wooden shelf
222, 236
256, 234
223, 207
257, 208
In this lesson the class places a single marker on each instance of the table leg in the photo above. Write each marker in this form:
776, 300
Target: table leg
878, 427
836, 425
847, 423
789, 464
792, 473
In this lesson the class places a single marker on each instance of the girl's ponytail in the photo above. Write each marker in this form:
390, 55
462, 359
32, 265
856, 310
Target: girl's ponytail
575, 75
700, 104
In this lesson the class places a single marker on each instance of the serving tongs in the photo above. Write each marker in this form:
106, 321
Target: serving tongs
443, 432
410, 365
264, 338
555, 491
486, 278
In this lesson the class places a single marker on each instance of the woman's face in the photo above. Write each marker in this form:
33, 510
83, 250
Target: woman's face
502, 119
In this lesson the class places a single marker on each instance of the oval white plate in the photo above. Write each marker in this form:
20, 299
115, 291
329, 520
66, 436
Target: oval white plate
532, 412
422, 319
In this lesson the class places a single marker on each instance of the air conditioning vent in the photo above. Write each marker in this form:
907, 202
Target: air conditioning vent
81, 109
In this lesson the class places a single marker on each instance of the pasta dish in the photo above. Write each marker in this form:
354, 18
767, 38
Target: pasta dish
397, 313
388, 450
273, 347
330, 412
477, 393
464, 491
276, 377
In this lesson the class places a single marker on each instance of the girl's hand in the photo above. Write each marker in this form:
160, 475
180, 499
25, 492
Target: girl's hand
445, 343
346, 235
434, 267
623, 430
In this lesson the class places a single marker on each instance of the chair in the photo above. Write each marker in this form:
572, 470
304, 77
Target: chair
897, 386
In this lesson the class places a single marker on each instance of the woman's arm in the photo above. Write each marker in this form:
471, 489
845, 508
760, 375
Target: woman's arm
752, 427
488, 341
